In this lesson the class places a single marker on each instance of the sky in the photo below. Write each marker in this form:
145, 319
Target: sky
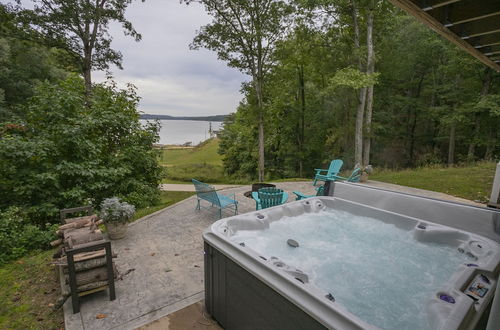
171, 78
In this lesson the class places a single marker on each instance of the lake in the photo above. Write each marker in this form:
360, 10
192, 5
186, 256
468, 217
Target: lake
182, 131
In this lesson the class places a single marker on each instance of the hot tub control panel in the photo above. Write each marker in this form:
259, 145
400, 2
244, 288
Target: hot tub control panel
479, 287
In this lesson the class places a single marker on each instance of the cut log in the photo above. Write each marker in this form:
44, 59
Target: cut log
92, 223
93, 275
90, 264
88, 217
82, 257
86, 264
56, 242
92, 286
76, 232
81, 236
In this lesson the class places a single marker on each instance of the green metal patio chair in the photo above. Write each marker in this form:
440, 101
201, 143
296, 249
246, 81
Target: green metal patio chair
267, 197
326, 175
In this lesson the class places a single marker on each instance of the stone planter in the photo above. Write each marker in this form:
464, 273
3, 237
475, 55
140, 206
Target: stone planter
117, 230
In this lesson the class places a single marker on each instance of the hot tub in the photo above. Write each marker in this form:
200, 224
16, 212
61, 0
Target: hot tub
356, 266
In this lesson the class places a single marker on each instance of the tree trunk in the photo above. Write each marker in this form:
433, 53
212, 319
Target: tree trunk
474, 138
302, 118
413, 125
258, 91
451, 146
87, 77
370, 68
88, 82
261, 147
358, 137
477, 116
490, 145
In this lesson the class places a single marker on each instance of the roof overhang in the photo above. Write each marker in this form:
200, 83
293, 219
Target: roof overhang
473, 25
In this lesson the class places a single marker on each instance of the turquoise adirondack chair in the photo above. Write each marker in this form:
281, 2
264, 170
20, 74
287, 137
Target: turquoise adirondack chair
207, 192
326, 175
354, 177
320, 191
267, 197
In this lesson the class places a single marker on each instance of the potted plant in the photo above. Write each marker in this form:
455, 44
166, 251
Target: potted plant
365, 171
116, 215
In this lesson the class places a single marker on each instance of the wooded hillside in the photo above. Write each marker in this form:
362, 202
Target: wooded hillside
363, 81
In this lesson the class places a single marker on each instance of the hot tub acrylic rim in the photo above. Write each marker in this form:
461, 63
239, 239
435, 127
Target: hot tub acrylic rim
344, 188
306, 295
457, 203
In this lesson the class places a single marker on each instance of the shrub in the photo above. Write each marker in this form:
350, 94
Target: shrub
69, 150
18, 236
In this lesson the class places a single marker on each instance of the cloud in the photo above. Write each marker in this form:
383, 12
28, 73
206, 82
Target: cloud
172, 79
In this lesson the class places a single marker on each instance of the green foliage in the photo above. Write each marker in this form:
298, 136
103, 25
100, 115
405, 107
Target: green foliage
424, 89
238, 144
68, 153
243, 33
24, 63
353, 78
18, 235
203, 172
82, 27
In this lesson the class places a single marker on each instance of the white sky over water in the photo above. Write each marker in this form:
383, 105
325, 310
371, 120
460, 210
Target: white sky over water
171, 79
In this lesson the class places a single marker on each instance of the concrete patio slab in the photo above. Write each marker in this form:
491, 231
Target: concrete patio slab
164, 252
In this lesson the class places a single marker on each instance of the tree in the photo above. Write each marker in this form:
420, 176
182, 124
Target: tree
81, 26
360, 113
68, 153
24, 63
244, 34
370, 69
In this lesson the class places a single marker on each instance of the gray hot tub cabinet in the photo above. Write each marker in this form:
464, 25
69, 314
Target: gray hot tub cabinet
245, 293
238, 300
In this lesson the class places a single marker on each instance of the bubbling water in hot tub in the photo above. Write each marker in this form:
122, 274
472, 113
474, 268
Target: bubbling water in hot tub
376, 270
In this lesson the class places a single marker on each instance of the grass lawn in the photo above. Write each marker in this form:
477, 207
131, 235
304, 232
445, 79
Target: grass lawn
202, 162
205, 153
471, 182
167, 198
29, 286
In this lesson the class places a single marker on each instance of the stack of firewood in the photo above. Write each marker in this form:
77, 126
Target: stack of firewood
89, 267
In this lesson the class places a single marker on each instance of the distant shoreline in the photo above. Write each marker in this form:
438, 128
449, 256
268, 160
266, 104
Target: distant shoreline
219, 118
